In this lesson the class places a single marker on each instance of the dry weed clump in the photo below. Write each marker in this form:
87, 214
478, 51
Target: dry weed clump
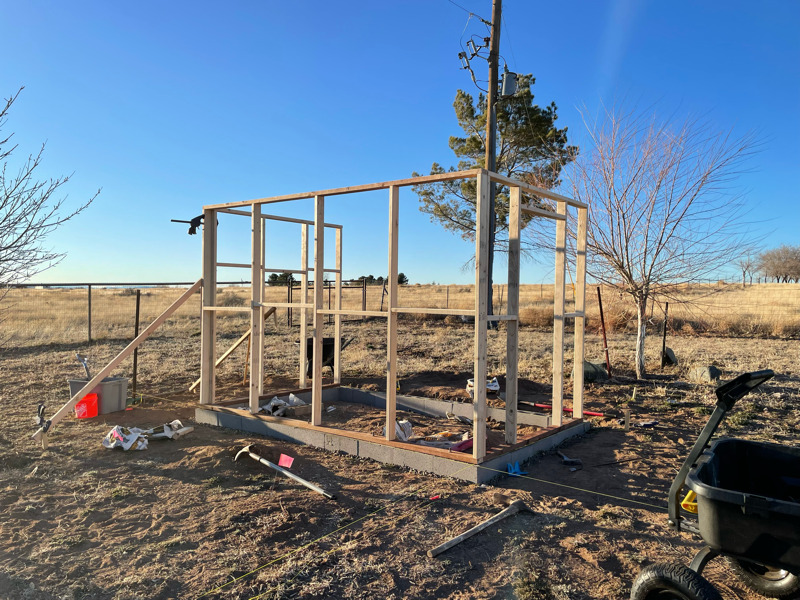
536, 317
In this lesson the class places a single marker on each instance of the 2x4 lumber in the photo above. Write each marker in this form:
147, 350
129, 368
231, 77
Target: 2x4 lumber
256, 297
391, 322
106, 371
559, 291
577, 313
261, 304
337, 319
481, 310
208, 325
541, 212
231, 265
502, 318
262, 294
512, 331
319, 322
235, 345
353, 313
370, 187
413, 310
580, 311
304, 310
536, 191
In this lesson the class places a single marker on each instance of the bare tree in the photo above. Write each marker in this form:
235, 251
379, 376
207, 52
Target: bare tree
29, 211
781, 264
662, 205
748, 265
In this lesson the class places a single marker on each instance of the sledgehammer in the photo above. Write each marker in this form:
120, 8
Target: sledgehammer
247, 450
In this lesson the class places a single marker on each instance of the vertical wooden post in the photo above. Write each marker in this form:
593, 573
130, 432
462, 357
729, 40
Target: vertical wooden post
391, 327
512, 330
135, 335
208, 339
337, 320
319, 323
481, 307
256, 314
89, 329
261, 310
580, 310
559, 291
303, 380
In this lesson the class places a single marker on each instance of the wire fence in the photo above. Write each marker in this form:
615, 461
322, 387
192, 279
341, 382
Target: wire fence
85, 313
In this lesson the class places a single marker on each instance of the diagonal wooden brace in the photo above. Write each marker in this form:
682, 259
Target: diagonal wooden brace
41, 434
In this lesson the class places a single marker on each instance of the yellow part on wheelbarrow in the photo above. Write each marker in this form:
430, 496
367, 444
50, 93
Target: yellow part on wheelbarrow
689, 503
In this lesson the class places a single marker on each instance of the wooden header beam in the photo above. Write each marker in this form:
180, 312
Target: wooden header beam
370, 187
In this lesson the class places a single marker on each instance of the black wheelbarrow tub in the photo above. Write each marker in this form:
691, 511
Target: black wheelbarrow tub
748, 501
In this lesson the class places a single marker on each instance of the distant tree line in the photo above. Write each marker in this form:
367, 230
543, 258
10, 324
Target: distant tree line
781, 264
371, 280
283, 279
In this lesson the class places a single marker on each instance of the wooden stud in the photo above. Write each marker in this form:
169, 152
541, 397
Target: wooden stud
580, 310
319, 321
512, 327
41, 435
256, 310
391, 326
559, 291
481, 288
302, 380
208, 335
262, 295
337, 319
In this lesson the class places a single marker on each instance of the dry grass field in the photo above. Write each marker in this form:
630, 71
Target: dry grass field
183, 520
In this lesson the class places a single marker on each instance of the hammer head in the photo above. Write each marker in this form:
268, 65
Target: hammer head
245, 450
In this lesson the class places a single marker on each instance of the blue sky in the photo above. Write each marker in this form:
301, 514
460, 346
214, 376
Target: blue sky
168, 106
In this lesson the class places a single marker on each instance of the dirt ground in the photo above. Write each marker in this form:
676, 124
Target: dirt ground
183, 520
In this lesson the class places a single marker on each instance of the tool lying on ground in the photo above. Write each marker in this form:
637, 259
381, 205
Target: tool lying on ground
513, 508
572, 462
249, 451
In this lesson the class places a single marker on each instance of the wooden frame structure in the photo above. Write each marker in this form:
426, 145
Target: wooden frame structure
517, 207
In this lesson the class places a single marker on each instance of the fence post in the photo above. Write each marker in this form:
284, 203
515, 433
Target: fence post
135, 335
89, 288
364, 297
664, 338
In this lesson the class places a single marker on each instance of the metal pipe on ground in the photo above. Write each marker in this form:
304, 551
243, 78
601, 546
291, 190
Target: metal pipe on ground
513, 508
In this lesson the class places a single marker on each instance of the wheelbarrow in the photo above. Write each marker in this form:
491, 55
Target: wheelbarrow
743, 500
328, 354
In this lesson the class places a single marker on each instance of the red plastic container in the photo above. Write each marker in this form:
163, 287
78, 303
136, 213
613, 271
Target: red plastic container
86, 407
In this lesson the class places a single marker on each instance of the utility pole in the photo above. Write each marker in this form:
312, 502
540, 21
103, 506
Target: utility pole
491, 136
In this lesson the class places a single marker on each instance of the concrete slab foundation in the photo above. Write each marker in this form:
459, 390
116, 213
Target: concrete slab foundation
433, 460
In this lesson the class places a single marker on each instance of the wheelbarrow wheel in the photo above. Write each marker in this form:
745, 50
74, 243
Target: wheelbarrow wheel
672, 581
767, 581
